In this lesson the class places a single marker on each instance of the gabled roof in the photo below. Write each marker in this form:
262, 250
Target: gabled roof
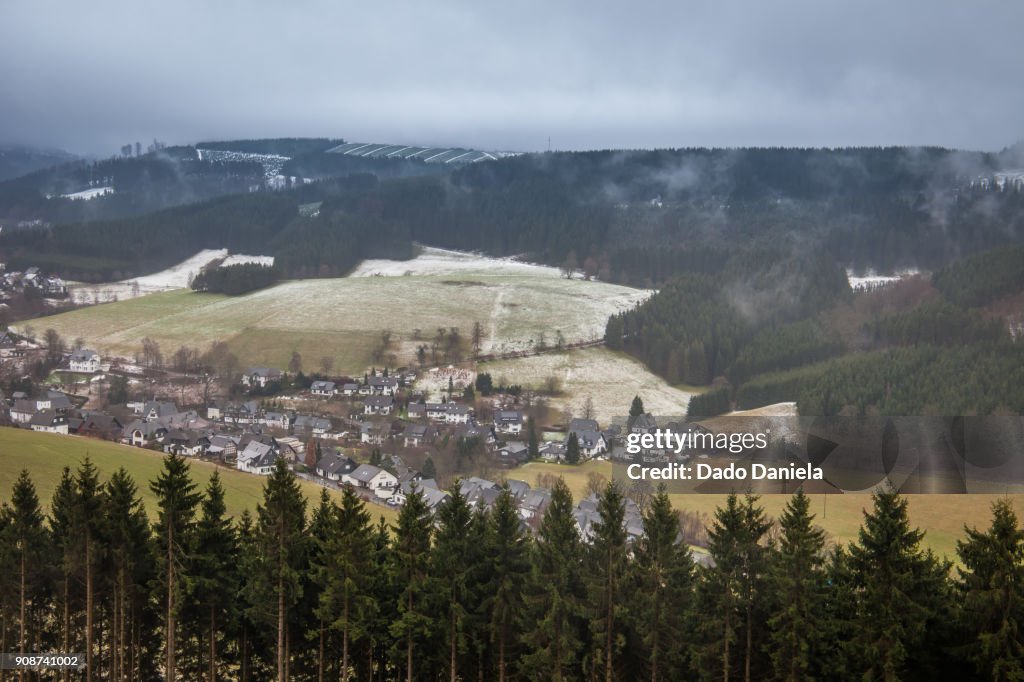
335, 463
322, 386
379, 401
45, 418
365, 473
578, 425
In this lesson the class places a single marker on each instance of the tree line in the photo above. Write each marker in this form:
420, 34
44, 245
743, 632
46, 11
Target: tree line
235, 279
329, 594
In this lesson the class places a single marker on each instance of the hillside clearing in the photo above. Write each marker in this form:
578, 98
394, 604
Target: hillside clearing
609, 378
343, 318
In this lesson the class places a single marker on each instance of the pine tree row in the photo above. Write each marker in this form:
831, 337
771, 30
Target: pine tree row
464, 593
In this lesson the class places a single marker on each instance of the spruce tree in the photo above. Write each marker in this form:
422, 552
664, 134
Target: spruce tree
24, 542
572, 449
281, 542
605, 577
88, 503
346, 602
664, 591
992, 585
176, 500
722, 591
552, 628
129, 540
902, 594
321, 529
509, 569
410, 571
636, 408
214, 580
64, 539
797, 583
450, 566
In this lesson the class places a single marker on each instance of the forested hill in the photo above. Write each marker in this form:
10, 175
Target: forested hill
938, 346
632, 217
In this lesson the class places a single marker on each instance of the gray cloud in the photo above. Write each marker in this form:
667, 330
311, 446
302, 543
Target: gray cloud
90, 76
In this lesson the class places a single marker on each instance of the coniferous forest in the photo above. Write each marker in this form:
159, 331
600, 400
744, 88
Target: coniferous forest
182, 592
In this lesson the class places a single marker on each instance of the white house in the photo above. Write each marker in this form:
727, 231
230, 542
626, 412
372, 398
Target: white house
380, 481
84, 360
49, 421
324, 389
257, 458
509, 421
378, 404
261, 376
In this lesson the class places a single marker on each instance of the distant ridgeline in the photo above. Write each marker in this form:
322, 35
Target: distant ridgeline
632, 217
796, 333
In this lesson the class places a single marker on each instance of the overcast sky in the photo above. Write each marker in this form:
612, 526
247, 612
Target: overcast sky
90, 76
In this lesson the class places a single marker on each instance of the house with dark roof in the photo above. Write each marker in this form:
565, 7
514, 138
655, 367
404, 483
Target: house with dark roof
416, 435
378, 404
257, 458
508, 421
49, 421
186, 443
333, 465
307, 425
324, 389
369, 477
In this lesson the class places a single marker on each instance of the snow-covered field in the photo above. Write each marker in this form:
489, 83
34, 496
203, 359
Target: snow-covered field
870, 280
610, 379
175, 277
432, 261
517, 306
87, 194
241, 259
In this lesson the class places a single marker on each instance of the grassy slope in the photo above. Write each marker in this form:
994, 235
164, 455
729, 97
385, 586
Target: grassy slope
610, 378
942, 516
44, 456
343, 318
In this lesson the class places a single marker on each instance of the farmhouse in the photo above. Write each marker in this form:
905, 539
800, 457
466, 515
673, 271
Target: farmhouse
84, 360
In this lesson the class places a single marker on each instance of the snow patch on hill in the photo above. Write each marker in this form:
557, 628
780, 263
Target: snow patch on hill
242, 259
433, 261
88, 194
174, 277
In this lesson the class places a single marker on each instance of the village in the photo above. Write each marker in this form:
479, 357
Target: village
384, 434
